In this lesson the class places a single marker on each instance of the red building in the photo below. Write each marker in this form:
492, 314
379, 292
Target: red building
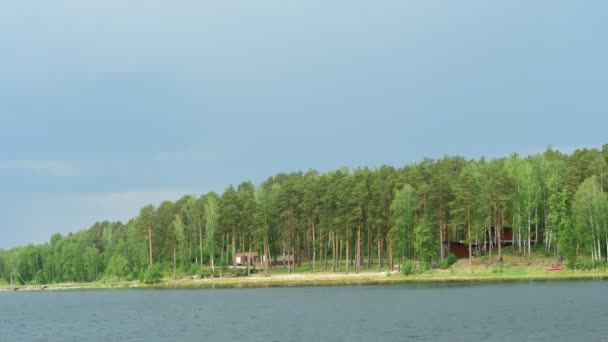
461, 250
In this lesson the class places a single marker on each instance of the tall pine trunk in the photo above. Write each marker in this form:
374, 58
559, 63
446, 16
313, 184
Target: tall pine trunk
222, 249
266, 258
469, 237
174, 260
379, 238
150, 239
200, 232
234, 249
340, 257
314, 249
358, 250
347, 255
249, 259
499, 236
369, 247
441, 251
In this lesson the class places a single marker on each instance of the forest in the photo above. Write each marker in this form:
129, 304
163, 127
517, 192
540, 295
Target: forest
346, 220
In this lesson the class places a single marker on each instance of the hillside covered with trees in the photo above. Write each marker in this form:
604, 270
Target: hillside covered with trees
346, 221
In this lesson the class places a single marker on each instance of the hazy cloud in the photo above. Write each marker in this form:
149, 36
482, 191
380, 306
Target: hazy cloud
35, 218
48, 167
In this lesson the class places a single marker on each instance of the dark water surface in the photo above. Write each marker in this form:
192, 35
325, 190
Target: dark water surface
520, 311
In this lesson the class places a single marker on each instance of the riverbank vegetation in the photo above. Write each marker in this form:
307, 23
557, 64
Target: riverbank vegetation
348, 221
514, 268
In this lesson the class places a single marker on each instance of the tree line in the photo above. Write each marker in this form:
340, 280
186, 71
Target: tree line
346, 221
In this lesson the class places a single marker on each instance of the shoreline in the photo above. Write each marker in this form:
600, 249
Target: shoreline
327, 279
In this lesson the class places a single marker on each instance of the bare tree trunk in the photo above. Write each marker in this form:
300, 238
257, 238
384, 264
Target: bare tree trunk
308, 246
379, 249
234, 249
334, 252
327, 251
340, 258
314, 249
200, 240
529, 232
499, 236
266, 258
189, 242
536, 227
347, 254
490, 233
369, 247
288, 261
441, 251
548, 243
514, 233
174, 260
212, 259
358, 251
390, 255
606, 247
150, 239
222, 249
249, 259
243, 253
469, 237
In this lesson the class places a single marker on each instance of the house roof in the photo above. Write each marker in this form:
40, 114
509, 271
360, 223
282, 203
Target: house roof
247, 254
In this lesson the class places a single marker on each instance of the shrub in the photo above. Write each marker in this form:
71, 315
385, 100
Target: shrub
409, 267
118, 267
452, 259
205, 273
586, 264
444, 264
152, 275
571, 263
194, 269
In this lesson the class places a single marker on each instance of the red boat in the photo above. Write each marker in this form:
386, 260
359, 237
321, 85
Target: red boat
554, 268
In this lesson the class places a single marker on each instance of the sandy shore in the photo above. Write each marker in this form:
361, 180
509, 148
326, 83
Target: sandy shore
327, 279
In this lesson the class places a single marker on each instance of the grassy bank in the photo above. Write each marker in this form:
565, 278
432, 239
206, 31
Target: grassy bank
495, 274
483, 269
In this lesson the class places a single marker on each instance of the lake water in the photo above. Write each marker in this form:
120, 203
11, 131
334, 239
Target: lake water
518, 311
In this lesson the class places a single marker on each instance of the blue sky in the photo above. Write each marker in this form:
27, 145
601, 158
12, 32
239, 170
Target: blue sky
106, 106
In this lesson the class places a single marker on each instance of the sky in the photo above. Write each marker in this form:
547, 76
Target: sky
106, 106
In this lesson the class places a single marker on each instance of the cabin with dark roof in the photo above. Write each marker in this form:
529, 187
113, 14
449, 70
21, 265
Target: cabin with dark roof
461, 249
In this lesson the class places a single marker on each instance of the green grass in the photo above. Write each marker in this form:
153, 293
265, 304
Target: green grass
329, 279
514, 268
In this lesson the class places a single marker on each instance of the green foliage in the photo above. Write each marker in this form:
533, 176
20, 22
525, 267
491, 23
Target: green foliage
315, 214
423, 267
205, 273
588, 264
451, 259
590, 220
118, 267
408, 267
403, 209
152, 275
426, 243
497, 269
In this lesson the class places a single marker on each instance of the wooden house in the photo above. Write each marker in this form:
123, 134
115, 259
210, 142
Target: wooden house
243, 258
